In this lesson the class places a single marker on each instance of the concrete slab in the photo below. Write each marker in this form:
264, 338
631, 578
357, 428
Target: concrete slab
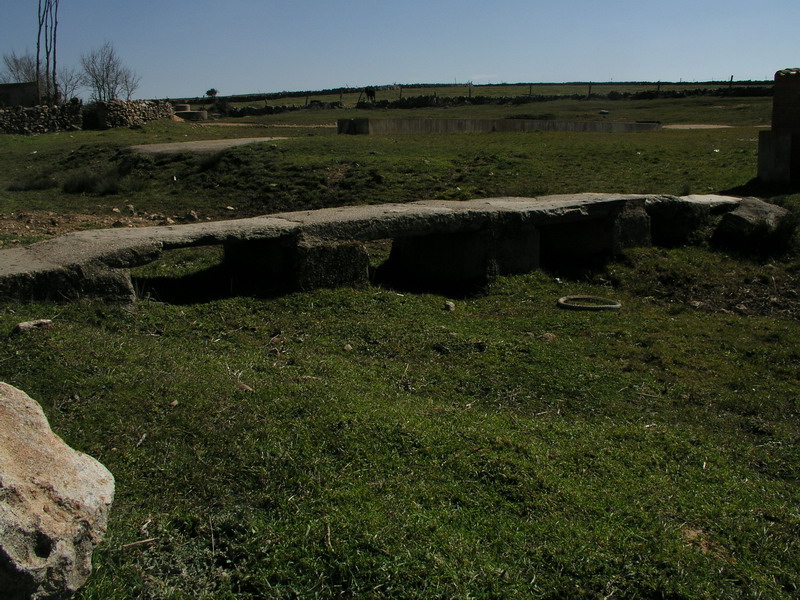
497, 235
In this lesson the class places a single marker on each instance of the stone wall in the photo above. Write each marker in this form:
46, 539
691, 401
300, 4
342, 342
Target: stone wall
40, 119
121, 113
73, 116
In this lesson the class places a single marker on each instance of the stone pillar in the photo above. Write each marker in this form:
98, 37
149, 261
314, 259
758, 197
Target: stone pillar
323, 264
779, 148
460, 262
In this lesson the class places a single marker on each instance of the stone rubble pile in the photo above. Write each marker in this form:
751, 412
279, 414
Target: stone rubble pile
40, 119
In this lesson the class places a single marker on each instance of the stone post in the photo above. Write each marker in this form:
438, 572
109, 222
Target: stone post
779, 148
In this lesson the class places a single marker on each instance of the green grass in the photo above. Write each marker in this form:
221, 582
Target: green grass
390, 448
651, 451
328, 170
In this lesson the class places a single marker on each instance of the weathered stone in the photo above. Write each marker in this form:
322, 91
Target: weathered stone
330, 264
32, 325
54, 504
755, 226
632, 226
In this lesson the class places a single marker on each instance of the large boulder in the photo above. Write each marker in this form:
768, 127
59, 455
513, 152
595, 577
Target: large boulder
54, 504
755, 226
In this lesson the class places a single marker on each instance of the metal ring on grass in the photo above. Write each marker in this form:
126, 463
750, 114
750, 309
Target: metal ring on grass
588, 303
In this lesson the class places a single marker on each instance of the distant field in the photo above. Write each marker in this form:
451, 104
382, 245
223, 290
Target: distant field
369, 443
349, 96
736, 110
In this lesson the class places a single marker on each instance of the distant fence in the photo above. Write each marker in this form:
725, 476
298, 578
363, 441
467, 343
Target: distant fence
363, 126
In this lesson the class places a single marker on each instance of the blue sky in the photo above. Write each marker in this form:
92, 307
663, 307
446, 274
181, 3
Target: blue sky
242, 46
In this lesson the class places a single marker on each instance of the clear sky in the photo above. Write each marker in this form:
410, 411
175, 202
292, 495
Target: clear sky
183, 48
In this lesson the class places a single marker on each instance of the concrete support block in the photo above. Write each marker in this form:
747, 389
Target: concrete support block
323, 264
632, 226
583, 242
70, 283
460, 261
674, 222
779, 157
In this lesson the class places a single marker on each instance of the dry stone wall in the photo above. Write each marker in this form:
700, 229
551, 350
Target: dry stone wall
120, 113
40, 119
73, 116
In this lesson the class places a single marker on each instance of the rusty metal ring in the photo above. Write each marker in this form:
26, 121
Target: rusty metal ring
580, 303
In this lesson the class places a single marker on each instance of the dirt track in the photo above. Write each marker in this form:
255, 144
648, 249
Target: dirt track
200, 146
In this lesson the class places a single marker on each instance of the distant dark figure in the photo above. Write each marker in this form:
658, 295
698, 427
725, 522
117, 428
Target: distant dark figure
370, 92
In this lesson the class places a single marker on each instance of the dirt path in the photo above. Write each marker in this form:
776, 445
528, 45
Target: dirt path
696, 126
200, 145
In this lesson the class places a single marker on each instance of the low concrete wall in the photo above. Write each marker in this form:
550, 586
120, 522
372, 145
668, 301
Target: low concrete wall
364, 126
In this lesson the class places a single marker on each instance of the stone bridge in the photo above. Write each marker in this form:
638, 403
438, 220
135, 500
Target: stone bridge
433, 243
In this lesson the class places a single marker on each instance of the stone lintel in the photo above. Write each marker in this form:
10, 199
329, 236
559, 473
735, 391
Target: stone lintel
457, 240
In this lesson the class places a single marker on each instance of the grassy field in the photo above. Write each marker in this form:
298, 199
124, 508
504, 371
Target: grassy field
350, 96
369, 443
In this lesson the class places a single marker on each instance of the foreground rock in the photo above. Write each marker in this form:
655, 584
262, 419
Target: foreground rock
755, 226
54, 504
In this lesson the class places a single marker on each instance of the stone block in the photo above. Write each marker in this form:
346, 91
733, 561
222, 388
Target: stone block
779, 157
460, 261
324, 264
756, 227
786, 101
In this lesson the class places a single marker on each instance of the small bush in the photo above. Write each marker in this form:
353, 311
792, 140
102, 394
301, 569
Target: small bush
89, 182
32, 183
82, 182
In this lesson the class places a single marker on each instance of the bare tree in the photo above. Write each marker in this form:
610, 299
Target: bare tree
105, 75
129, 82
47, 34
69, 82
19, 68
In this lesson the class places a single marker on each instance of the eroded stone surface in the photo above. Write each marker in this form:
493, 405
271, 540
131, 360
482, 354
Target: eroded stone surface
54, 504
754, 225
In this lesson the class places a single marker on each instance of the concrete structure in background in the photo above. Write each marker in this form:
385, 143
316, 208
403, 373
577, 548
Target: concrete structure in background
364, 126
18, 94
779, 148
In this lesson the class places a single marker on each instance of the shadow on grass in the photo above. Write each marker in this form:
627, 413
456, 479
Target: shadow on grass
214, 283
760, 189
